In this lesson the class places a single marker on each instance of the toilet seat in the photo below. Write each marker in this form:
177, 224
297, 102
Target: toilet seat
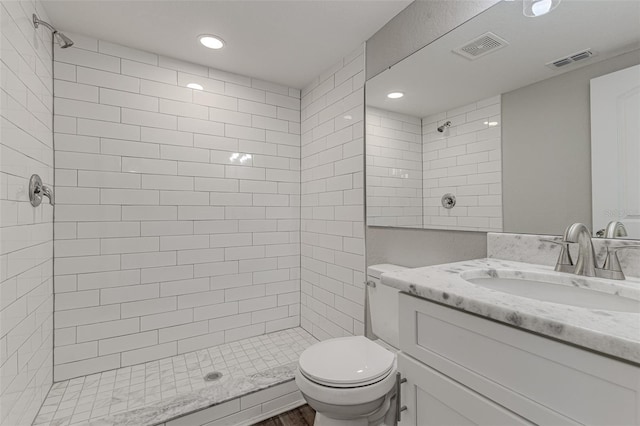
346, 362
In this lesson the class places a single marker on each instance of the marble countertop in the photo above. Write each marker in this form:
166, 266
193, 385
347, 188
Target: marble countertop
612, 333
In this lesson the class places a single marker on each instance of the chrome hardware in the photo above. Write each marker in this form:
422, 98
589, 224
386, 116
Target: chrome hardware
586, 263
37, 190
370, 283
446, 125
612, 268
615, 229
448, 201
565, 262
399, 407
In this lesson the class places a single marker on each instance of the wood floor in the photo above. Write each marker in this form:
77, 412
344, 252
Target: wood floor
301, 416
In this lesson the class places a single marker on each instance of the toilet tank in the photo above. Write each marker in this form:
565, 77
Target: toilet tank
383, 305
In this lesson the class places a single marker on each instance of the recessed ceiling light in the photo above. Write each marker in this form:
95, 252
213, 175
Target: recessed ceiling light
195, 86
211, 41
534, 8
395, 95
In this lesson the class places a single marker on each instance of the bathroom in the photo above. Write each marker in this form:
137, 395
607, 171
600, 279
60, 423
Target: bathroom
220, 213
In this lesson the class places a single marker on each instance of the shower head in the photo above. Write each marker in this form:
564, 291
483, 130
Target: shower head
62, 39
444, 126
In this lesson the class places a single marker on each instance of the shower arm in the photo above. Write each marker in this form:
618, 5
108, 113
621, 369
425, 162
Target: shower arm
37, 21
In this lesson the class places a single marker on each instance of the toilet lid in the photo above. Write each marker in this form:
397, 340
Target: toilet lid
346, 362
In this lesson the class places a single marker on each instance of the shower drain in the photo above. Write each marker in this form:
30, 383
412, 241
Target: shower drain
212, 377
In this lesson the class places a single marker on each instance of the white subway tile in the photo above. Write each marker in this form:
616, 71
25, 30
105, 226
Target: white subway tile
129, 196
168, 137
128, 245
184, 242
148, 307
183, 109
82, 109
149, 213
149, 72
96, 280
149, 119
167, 319
107, 329
195, 125
215, 100
107, 79
77, 299
127, 52
200, 342
167, 91
128, 100
108, 130
85, 367
127, 342
83, 316
168, 334
88, 59
71, 90
145, 165
84, 161
151, 353
166, 273
148, 260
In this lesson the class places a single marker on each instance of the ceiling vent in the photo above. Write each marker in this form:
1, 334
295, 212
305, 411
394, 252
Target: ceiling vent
483, 45
575, 57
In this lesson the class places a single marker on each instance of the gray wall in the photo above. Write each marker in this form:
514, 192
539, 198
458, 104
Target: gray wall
423, 247
419, 24
546, 150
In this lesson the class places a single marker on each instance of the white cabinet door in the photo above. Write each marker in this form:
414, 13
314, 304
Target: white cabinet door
433, 399
615, 149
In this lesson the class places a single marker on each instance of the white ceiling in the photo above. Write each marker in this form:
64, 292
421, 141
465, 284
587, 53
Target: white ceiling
435, 79
287, 42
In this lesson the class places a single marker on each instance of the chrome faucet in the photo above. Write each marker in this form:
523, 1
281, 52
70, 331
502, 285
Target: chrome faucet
615, 229
586, 262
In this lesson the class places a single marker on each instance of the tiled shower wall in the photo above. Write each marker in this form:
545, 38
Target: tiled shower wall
26, 233
394, 169
465, 160
332, 235
177, 221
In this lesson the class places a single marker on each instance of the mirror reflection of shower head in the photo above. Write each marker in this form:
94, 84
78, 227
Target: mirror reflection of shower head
60, 38
444, 126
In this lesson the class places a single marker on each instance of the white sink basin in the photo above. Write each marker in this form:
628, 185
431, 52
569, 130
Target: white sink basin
555, 288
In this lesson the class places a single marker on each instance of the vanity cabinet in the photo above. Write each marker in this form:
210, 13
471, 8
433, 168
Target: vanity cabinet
464, 369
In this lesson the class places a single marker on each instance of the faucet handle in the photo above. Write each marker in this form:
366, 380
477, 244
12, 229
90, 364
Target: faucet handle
612, 268
565, 262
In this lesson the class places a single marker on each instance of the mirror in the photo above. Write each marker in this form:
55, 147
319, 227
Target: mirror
497, 124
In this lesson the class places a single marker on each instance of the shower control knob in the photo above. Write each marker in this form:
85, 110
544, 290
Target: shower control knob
37, 189
448, 201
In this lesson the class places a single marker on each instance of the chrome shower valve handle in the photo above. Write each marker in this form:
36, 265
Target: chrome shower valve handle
37, 189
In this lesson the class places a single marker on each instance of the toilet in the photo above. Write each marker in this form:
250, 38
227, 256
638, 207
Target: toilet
350, 381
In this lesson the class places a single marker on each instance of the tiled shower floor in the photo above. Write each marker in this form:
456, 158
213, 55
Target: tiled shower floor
88, 398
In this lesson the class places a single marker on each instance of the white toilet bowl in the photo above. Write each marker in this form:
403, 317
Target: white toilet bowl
348, 381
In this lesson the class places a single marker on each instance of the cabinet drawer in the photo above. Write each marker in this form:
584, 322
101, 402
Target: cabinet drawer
433, 399
544, 380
